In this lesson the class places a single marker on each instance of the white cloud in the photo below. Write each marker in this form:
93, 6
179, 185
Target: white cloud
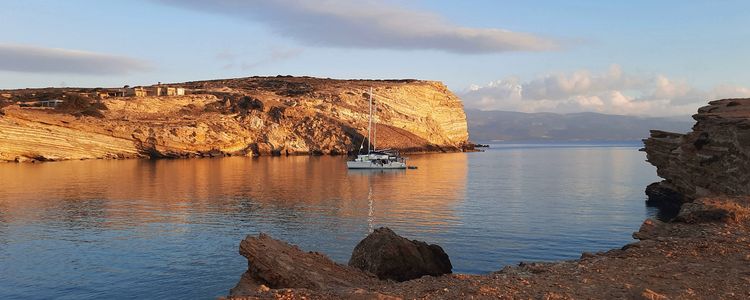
369, 24
232, 59
613, 92
31, 59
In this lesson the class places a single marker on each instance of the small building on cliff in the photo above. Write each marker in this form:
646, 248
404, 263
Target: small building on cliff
157, 91
109, 93
52, 103
174, 91
141, 91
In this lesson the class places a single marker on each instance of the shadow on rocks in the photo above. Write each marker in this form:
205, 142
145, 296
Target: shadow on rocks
390, 256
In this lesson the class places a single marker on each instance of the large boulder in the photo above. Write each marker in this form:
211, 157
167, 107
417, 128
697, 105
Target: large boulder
274, 264
390, 256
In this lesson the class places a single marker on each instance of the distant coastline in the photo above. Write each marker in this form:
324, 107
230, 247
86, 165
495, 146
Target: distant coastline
548, 143
507, 126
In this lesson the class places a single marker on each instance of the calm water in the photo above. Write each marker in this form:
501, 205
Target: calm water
171, 228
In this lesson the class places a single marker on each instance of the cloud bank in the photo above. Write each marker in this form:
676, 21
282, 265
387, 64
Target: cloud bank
369, 24
612, 92
31, 59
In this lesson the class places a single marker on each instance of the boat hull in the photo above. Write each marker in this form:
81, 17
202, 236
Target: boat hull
375, 166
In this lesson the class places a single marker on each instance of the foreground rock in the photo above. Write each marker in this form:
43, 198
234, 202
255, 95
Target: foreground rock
390, 256
276, 264
244, 116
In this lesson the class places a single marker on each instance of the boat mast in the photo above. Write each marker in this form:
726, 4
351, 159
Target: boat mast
369, 125
374, 127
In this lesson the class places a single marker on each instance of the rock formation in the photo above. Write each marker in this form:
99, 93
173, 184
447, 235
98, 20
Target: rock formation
390, 256
275, 264
713, 159
245, 116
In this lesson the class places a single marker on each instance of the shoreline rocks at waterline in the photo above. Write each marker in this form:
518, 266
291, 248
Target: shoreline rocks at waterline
390, 256
274, 264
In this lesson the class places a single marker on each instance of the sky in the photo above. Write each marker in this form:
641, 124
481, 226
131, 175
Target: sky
649, 58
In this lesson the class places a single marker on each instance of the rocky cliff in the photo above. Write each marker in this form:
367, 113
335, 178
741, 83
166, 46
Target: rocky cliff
245, 116
713, 159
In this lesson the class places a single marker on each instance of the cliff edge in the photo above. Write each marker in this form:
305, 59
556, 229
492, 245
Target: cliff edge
711, 160
245, 116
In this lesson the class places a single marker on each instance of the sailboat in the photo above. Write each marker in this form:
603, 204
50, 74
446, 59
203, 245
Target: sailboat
374, 158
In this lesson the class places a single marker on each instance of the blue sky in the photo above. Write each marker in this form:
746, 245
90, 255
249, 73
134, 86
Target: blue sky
624, 57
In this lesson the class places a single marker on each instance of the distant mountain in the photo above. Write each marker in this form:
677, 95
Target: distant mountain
488, 126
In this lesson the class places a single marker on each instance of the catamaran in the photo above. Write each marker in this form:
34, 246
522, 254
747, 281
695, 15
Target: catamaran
374, 158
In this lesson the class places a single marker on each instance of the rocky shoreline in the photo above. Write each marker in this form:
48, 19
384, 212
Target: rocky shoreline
701, 253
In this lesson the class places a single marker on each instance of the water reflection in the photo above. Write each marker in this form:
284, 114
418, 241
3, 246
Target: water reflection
170, 228
288, 191
4, 221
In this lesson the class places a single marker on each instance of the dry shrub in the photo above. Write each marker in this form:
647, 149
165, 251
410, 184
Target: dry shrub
79, 105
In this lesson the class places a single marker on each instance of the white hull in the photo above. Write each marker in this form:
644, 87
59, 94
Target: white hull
374, 159
374, 165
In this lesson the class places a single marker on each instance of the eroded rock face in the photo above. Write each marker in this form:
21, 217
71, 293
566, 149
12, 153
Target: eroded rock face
713, 159
245, 116
390, 256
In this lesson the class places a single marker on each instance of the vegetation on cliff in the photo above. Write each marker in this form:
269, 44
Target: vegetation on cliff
78, 105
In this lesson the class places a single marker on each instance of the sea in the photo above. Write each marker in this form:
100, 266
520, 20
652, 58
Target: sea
169, 229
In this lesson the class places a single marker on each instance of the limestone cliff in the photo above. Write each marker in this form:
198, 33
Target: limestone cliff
713, 159
257, 116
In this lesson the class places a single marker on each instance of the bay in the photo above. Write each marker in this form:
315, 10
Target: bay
171, 228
